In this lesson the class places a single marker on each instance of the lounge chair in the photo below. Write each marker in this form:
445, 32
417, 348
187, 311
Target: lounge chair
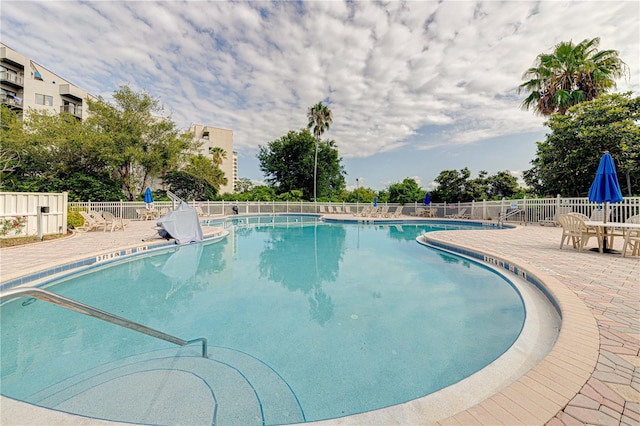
113, 223
90, 223
461, 214
98, 218
574, 228
364, 212
373, 212
338, 209
398, 212
380, 212
419, 212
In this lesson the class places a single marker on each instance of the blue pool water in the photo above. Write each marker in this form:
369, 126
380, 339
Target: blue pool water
305, 321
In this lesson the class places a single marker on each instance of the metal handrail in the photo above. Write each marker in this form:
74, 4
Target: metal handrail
174, 199
503, 216
74, 305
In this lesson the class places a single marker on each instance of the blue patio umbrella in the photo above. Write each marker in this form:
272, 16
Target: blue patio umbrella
427, 199
375, 202
605, 187
148, 197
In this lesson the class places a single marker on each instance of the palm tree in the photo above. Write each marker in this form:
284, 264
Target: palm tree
218, 154
572, 74
319, 119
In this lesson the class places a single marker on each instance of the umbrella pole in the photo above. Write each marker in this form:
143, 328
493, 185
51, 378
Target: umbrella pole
604, 238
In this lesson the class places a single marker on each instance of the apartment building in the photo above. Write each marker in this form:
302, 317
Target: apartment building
26, 84
208, 138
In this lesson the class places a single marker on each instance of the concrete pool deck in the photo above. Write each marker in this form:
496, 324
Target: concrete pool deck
591, 376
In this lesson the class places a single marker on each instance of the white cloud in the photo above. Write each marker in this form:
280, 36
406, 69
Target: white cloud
420, 73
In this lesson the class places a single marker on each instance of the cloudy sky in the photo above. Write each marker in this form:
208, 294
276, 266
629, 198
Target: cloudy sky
415, 87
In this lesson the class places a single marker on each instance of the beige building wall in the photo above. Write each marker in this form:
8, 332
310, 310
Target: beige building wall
209, 137
26, 84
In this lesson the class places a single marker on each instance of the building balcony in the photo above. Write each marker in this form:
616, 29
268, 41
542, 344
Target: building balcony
12, 57
12, 79
75, 110
11, 101
72, 91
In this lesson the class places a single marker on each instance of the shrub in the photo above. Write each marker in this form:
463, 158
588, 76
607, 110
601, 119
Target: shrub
12, 224
74, 218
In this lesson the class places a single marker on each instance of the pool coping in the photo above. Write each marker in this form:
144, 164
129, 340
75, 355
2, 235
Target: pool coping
534, 398
547, 388
100, 258
540, 393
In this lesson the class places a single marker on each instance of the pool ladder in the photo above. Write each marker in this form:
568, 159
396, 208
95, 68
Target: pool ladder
67, 303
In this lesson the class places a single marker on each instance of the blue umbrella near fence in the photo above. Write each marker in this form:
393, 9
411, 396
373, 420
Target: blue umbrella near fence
375, 202
427, 199
148, 198
605, 187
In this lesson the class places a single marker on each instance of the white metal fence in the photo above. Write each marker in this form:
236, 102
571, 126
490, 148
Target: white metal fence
533, 209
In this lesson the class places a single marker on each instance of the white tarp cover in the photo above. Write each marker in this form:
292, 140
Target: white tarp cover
182, 224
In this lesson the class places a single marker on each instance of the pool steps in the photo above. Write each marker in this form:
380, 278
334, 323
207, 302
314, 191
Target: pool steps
229, 387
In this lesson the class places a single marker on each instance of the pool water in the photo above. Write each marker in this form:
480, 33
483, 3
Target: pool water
305, 321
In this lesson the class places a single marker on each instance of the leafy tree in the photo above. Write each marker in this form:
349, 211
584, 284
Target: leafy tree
242, 185
566, 162
137, 141
57, 153
383, 196
189, 187
206, 169
293, 195
360, 195
571, 74
405, 192
262, 193
502, 185
320, 119
451, 186
11, 139
288, 164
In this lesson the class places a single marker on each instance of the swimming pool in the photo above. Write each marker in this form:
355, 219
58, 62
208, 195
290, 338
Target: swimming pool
305, 320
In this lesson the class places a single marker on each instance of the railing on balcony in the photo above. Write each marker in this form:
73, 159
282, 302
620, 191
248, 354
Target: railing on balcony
74, 110
11, 101
11, 78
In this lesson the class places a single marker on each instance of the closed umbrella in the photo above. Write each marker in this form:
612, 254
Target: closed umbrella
427, 199
605, 187
375, 202
148, 198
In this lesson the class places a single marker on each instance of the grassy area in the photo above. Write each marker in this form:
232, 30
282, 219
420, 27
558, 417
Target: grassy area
13, 242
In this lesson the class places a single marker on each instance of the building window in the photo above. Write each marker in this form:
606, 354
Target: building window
44, 100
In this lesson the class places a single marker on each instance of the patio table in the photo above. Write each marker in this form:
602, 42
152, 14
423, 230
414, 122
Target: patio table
601, 229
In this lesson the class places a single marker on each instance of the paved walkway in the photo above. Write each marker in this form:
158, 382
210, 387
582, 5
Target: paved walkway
592, 376
609, 285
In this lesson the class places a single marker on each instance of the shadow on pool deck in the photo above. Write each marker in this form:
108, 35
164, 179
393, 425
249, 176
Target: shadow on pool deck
592, 375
